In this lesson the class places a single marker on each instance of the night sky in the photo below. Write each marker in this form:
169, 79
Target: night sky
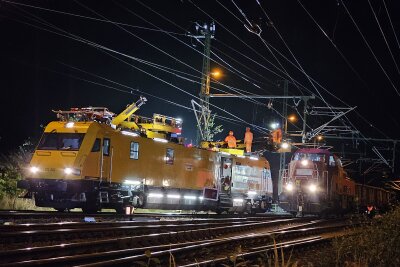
43, 68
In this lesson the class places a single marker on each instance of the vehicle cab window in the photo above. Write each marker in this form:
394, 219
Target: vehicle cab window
96, 145
106, 146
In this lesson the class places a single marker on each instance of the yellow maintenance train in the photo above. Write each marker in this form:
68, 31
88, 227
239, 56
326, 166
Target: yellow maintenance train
92, 159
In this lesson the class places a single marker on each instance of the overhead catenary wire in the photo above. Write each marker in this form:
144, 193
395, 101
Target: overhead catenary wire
237, 61
295, 82
327, 91
391, 24
240, 40
91, 18
115, 23
102, 20
230, 67
258, 33
328, 105
178, 26
263, 57
334, 45
239, 91
384, 37
109, 51
269, 49
370, 49
158, 49
132, 90
286, 45
216, 81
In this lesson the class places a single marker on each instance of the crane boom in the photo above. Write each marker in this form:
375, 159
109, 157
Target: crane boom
132, 108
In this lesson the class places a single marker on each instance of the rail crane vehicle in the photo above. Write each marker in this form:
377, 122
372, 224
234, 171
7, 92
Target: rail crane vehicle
91, 158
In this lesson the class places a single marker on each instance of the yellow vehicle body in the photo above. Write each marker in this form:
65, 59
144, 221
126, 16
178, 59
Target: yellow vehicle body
194, 167
92, 165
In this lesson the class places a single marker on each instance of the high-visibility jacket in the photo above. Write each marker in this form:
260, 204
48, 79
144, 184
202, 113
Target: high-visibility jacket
248, 137
248, 140
231, 140
277, 136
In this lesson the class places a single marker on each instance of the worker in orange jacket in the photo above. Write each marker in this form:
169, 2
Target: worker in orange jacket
248, 139
231, 140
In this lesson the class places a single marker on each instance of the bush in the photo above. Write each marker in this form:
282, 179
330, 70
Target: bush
12, 168
15, 203
377, 243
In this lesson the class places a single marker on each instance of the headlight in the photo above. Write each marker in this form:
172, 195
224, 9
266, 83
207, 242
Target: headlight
304, 162
34, 169
285, 145
72, 171
69, 124
312, 187
289, 187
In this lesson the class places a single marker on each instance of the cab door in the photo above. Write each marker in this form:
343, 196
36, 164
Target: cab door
105, 161
92, 164
226, 182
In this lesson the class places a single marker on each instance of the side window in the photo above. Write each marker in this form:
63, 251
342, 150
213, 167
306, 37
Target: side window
106, 146
134, 154
332, 161
96, 145
169, 156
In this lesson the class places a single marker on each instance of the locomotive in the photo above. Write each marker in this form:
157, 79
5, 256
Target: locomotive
92, 158
316, 183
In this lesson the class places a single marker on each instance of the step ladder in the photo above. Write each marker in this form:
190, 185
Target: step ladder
104, 197
225, 200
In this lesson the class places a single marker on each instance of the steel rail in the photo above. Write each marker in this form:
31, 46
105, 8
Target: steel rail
134, 241
137, 222
288, 231
289, 245
11, 215
192, 249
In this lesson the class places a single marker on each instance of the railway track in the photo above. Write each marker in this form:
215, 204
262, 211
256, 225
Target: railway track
99, 231
54, 216
287, 246
185, 243
220, 249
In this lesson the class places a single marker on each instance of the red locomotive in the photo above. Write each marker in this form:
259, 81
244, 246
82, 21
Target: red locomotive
316, 183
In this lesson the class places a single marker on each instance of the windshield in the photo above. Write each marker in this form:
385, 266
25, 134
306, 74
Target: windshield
309, 156
61, 141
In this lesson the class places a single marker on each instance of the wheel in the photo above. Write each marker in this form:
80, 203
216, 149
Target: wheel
90, 209
91, 205
120, 210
